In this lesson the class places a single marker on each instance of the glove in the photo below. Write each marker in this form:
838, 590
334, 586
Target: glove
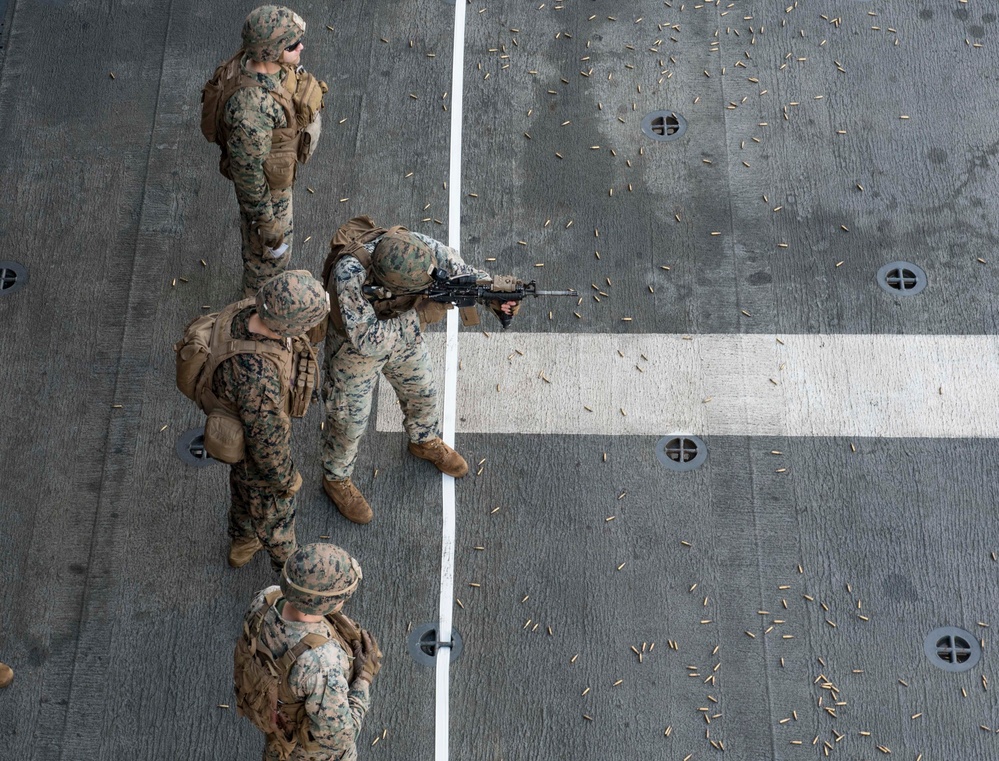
373, 656
358, 651
367, 657
270, 233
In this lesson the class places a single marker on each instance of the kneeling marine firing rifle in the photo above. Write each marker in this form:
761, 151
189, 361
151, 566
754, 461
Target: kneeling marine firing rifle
466, 291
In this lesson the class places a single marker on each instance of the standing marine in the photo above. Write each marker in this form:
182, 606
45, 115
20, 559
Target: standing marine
263, 110
252, 368
302, 669
364, 340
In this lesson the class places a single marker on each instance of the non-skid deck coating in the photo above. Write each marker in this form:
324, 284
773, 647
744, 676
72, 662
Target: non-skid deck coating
117, 610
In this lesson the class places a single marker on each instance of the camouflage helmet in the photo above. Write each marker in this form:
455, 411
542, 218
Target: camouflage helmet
402, 262
269, 29
292, 302
319, 578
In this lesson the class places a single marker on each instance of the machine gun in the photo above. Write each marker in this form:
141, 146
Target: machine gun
467, 290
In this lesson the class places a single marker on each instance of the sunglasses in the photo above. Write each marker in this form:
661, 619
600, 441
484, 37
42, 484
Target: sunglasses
294, 46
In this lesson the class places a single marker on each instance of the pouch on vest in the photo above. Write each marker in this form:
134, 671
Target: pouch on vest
225, 438
317, 333
307, 93
282, 161
308, 99
431, 311
305, 378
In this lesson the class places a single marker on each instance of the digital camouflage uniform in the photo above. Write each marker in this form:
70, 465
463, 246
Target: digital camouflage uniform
393, 347
251, 114
264, 483
321, 671
335, 708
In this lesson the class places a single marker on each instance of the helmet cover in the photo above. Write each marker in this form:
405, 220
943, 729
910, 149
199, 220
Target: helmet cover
318, 578
269, 29
292, 302
402, 262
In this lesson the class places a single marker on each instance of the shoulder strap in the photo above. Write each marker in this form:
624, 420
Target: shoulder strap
307, 643
222, 347
284, 98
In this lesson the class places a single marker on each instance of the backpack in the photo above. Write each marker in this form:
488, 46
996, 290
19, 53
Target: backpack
225, 81
206, 344
260, 681
349, 240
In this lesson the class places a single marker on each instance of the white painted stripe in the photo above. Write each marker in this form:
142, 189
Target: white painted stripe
442, 723
830, 385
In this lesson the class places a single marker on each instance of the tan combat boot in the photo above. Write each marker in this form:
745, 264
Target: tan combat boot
6, 675
348, 500
440, 454
242, 550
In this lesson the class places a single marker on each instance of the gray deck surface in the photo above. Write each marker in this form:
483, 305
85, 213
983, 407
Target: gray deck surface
117, 609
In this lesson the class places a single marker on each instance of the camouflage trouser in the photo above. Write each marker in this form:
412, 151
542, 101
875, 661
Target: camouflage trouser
348, 387
256, 511
258, 265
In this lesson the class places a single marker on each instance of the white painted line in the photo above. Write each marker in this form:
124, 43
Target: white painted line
442, 723
822, 385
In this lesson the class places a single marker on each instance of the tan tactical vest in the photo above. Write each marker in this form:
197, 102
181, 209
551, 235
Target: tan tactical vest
207, 343
299, 95
260, 680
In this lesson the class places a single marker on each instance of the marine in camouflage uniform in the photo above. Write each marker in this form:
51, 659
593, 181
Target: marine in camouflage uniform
332, 681
271, 35
263, 485
369, 346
